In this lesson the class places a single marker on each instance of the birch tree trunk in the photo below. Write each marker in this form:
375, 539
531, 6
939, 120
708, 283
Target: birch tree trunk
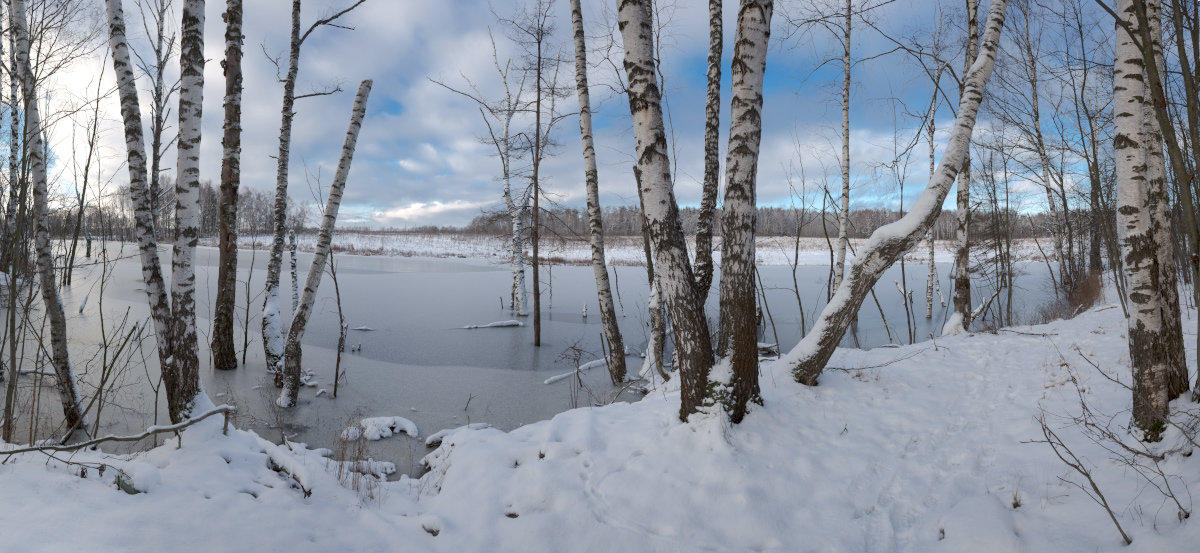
931, 278
292, 262
185, 378
712, 153
739, 334
272, 321
608, 311
1156, 131
223, 353
68, 392
1136, 194
839, 269
962, 255
291, 388
890, 241
656, 345
156, 294
693, 344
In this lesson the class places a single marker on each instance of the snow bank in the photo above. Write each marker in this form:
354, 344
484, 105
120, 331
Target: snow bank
923, 448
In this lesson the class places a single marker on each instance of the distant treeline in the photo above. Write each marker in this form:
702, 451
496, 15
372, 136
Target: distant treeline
772, 221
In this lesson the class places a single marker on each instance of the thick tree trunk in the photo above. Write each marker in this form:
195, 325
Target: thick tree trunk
185, 379
962, 253
68, 392
693, 345
739, 334
291, 388
608, 311
1137, 193
712, 153
156, 294
272, 320
223, 353
889, 242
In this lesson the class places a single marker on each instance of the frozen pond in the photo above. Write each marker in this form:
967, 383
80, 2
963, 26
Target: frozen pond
417, 361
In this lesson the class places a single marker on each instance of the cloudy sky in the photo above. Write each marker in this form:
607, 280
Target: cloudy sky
420, 159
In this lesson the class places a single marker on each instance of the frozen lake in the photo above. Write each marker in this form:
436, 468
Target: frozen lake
417, 361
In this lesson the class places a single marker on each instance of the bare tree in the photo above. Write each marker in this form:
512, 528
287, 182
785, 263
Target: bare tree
890, 241
962, 253
293, 351
739, 329
224, 355
674, 272
68, 391
608, 311
156, 21
712, 152
272, 321
171, 328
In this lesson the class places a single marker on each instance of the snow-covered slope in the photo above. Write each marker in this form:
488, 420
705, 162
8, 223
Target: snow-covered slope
920, 449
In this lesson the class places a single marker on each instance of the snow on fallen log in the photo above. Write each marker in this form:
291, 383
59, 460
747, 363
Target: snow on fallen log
436, 438
497, 324
377, 428
584, 367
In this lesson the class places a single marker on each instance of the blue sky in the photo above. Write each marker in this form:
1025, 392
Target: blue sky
420, 160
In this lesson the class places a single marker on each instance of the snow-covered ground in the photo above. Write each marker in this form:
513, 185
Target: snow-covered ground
925, 448
620, 250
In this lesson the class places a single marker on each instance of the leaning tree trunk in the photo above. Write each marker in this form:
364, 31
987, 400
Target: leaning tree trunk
608, 311
68, 392
291, 387
143, 214
962, 253
739, 325
889, 242
223, 352
712, 154
185, 379
693, 344
272, 320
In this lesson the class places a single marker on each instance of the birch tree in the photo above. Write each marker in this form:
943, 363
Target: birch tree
608, 311
739, 329
68, 392
293, 351
674, 272
807, 360
272, 321
712, 152
498, 116
962, 252
1141, 201
224, 355
182, 381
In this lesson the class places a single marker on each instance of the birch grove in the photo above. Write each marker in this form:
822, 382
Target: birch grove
608, 311
293, 351
890, 241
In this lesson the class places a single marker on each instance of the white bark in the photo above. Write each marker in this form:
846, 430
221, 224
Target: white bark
738, 307
291, 388
68, 390
1137, 190
890, 241
839, 267
962, 258
692, 341
608, 311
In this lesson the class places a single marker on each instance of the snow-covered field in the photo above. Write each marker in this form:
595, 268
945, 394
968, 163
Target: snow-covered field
924, 448
620, 250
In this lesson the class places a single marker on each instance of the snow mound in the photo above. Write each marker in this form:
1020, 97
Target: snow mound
436, 438
377, 428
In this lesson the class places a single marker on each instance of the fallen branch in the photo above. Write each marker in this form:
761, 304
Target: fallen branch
153, 430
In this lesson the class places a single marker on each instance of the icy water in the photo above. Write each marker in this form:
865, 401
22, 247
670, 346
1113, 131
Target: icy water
411, 356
